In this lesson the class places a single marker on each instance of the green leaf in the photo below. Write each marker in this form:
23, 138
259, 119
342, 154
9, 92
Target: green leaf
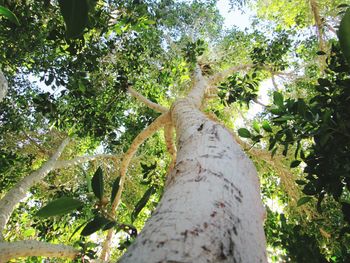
256, 126
115, 188
77, 229
301, 107
266, 126
272, 143
96, 224
141, 204
75, 15
283, 118
97, 183
60, 206
244, 133
276, 111
278, 99
285, 149
324, 82
300, 182
109, 225
303, 200
9, 15
321, 53
344, 35
295, 163
273, 152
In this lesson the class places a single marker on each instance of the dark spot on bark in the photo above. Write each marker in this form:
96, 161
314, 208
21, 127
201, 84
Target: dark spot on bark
199, 178
159, 219
222, 255
200, 127
231, 247
234, 187
205, 225
205, 248
238, 198
184, 234
226, 187
211, 155
213, 214
219, 174
160, 244
219, 204
194, 232
234, 230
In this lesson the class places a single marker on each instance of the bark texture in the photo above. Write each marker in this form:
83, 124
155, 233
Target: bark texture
211, 209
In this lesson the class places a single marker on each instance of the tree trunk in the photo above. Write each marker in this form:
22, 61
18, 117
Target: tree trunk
211, 209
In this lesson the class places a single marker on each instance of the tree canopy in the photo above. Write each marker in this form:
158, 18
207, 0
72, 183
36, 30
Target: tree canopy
74, 74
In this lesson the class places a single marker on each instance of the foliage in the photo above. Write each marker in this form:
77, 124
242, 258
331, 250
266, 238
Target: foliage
69, 64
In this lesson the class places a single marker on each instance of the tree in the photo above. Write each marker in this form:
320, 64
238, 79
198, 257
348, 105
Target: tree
192, 77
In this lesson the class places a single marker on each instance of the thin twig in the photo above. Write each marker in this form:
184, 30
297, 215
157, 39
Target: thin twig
226, 73
145, 134
81, 159
150, 104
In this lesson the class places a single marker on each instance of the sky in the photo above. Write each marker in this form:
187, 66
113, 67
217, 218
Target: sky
234, 17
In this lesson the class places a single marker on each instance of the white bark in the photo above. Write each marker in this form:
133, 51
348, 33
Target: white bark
150, 104
3, 86
19, 191
35, 248
211, 210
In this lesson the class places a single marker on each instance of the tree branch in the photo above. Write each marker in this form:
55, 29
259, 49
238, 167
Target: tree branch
19, 191
224, 74
27, 248
274, 83
41, 149
150, 104
81, 159
259, 102
318, 23
145, 134
3, 86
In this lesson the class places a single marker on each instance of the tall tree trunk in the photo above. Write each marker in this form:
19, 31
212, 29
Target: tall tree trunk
211, 209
